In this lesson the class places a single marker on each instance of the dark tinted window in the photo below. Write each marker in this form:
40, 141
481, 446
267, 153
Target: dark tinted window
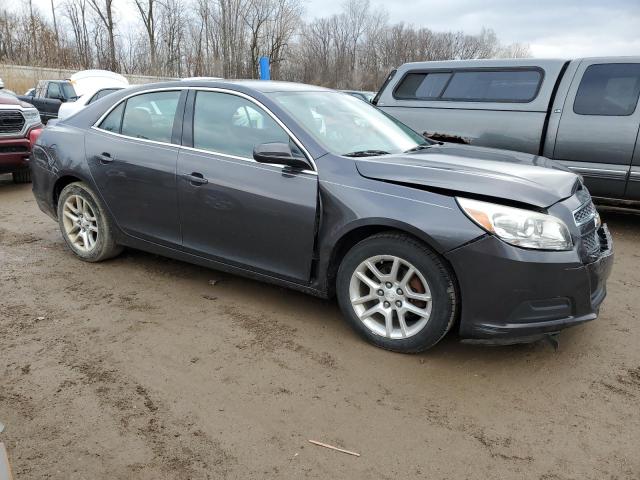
112, 122
68, 90
54, 90
422, 85
608, 89
494, 86
150, 116
230, 124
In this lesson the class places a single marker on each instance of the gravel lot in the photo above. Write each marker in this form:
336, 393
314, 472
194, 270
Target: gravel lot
141, 368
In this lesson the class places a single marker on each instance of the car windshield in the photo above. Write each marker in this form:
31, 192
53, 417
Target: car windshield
345, 125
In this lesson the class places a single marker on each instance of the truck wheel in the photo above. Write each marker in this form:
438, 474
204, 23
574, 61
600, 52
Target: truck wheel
397, 293
85, 226
22, 176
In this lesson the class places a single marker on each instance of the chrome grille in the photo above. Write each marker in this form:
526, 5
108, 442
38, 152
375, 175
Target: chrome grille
585, 213
591, 243
11, 122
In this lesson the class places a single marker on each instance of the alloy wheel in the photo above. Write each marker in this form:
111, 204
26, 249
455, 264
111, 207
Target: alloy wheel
80, 223
390, 296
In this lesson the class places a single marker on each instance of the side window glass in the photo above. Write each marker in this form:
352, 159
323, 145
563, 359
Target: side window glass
112, 122
494, 86
608, 89
54, 91
94, 98
150, 116
422, 86
229, 124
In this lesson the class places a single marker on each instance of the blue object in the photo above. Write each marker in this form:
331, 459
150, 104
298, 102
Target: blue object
265, 70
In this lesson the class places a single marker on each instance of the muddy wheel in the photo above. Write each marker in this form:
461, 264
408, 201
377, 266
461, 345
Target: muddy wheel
85, 226
397, 293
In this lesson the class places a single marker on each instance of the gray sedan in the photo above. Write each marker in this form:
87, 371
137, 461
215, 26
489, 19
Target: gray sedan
316, 190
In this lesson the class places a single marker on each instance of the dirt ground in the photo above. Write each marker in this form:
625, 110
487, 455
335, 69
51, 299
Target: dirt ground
140, 368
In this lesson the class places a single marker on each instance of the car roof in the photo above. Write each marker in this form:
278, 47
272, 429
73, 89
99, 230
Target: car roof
262, 86
486, 63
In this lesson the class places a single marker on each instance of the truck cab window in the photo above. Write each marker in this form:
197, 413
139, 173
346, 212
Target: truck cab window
54, 91
609, 89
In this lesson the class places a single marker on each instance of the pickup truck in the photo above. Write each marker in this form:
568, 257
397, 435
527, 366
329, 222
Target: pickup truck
19, 127
48, 96
583, 113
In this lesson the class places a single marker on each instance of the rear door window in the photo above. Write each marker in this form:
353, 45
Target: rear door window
422, 85
608, 90
494, 86
150, 116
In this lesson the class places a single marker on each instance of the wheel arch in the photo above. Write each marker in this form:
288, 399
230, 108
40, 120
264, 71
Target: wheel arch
61, 182
358, 231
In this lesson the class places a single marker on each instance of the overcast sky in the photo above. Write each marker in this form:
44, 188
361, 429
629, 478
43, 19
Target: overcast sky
552, 28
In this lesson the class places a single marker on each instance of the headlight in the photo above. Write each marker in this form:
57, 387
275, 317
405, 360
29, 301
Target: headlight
31, 116
519, 227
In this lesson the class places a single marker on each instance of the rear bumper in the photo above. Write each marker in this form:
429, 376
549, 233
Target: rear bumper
511, 295
14, 154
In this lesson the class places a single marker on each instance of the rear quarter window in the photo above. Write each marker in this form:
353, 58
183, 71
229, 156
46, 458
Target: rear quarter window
609, 90
422, 85
502, 86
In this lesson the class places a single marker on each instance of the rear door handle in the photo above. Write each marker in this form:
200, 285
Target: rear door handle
105, 157
195, 178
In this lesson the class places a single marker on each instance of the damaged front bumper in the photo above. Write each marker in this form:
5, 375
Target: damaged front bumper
511, 295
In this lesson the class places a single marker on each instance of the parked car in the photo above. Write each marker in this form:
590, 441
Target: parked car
85, 81
19, 126
582, 113
48, 96
70, 108
412, 236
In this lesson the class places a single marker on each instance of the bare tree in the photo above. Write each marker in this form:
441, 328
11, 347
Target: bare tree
76, 13
104, 10
148, 10
352, 49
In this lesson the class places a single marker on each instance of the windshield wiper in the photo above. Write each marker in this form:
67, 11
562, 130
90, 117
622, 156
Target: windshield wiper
366, 153
422, 146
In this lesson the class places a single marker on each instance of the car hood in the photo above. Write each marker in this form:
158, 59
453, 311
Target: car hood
514, 176
7, 101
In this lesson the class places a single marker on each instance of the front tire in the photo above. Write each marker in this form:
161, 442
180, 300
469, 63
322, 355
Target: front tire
85, 226
397, 293
22, 176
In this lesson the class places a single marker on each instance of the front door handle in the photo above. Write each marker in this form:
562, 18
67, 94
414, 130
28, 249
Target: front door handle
195, 178
105, 157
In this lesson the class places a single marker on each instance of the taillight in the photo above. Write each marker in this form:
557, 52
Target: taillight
33, 135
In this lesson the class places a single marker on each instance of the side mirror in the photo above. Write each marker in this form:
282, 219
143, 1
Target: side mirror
279, 154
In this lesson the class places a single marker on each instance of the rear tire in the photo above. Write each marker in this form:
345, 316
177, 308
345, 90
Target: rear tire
86, 228
397, 293
22, 176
